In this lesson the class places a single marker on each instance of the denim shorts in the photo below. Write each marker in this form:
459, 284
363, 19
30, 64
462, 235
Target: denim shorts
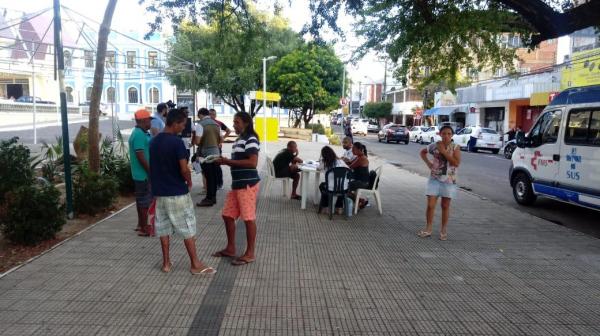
441, 189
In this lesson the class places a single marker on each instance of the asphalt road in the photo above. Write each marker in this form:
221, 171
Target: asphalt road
486, 175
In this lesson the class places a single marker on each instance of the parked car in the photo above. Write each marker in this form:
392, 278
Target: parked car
393, 132
360, 126
29, 99
487, 139
431, 135
560, 156
416, 131
373, 126
85, 108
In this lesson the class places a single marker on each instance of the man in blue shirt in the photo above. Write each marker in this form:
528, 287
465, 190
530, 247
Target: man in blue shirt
171, 185
139, 156
158, 123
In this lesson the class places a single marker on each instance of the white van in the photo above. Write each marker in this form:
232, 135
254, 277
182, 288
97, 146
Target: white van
560, 156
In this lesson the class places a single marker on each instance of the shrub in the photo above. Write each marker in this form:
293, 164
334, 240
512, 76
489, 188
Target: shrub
92, 192
328, 131
334, 140
117, 166
317, 128
32, 214
15, 166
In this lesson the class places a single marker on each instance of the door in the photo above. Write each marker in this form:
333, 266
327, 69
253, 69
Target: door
543, 155
579, 175
465, 135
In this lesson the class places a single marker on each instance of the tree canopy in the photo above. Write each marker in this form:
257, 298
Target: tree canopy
309, 79
378, 110
227, 50
434, 39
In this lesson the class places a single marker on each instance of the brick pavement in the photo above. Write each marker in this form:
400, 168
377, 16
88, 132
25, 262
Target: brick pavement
502, 272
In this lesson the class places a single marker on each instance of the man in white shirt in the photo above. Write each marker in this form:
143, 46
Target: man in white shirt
347, 156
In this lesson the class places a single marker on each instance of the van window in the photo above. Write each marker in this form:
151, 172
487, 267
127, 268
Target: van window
551, 126
583, 128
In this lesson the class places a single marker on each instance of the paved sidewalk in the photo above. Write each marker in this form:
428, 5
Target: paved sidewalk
502, 272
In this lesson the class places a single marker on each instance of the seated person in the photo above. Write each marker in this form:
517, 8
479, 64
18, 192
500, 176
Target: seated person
348, 156
286, 165
360, 172
328, 161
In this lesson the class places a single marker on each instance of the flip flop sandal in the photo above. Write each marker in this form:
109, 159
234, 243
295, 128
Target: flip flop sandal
443, 237
424, 234
205, 271
221, 254
142, 234
242, 262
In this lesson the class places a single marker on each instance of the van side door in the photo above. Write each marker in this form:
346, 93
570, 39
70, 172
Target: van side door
579, 175
543, 156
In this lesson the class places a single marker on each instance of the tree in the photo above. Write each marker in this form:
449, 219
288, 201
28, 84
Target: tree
378, 110
93, 133
227, 53
435, 39
309, 79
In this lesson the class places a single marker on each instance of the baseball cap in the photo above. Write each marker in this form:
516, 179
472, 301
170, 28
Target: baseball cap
142, 114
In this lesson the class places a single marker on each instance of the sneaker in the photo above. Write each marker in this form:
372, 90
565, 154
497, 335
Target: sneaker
206, 203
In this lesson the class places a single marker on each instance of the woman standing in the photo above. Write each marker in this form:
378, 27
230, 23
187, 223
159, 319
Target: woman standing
442, 180
329, 161
360, 172
241, 200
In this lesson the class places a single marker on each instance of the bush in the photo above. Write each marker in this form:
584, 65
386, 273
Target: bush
334, 140
15, 166
32, 214
317, 128
112, 164
92, 192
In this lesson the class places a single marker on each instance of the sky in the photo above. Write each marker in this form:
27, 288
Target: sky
130, 16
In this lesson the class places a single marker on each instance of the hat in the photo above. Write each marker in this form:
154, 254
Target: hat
142, 114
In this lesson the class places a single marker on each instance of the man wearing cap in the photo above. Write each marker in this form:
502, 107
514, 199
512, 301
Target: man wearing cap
158, 123
139, 154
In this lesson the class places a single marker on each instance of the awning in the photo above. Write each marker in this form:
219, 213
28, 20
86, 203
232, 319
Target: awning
443, 110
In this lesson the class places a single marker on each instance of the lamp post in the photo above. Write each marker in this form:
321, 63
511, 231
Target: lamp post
265, 59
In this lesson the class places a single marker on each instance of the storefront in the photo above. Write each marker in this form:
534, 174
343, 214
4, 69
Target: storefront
493, 117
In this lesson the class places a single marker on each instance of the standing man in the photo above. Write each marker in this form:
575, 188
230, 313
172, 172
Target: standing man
158, 121
225, 131
139, 153
286, 165
348, 130
172, 182
208, 139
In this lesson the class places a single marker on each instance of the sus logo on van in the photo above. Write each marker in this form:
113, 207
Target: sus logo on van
574, 159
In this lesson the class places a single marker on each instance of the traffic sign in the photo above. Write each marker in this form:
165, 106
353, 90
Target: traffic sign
343, 101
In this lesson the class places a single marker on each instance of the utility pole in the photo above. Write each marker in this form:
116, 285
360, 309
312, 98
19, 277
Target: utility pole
60, 72
384, 79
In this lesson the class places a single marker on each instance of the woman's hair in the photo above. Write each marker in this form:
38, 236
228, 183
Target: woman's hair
361, 147
246, 119
448, 127
329, 157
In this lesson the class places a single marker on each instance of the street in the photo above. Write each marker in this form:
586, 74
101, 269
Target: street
486, 175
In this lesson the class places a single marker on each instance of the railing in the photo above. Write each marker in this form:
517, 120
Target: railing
40, 108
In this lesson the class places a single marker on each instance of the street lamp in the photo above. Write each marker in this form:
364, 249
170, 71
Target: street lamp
265, 59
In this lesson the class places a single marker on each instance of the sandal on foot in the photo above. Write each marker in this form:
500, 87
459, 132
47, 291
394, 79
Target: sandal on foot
204, 271
424, 234
296, 197
166, 269
443, 236
222, 254
241, 262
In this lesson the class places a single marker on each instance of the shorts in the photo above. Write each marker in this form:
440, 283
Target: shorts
143, 195
241, 203
175, 214
285, 172
441, 189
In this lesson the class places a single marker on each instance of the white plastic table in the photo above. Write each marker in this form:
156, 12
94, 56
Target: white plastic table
306, 172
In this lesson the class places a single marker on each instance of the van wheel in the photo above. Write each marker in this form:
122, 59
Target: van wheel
522, 189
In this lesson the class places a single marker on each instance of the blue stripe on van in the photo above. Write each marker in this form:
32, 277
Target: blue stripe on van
563, 194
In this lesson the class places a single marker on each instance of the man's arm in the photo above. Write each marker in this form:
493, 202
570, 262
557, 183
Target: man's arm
185, 172
139, 154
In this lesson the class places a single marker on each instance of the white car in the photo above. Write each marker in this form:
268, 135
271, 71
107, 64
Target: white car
487, 139
416, 132
360, 126
431, 135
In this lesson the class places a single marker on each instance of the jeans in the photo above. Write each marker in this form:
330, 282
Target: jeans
210, 173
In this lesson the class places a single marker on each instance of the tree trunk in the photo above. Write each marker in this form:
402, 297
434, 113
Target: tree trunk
307, 115
93, 135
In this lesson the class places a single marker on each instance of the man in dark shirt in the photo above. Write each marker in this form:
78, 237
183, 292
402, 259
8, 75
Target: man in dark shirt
171, 184
286, 165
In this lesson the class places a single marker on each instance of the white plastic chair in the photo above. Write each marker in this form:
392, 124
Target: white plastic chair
373, 191
271, 177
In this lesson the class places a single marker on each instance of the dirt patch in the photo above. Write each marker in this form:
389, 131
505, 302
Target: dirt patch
12, 255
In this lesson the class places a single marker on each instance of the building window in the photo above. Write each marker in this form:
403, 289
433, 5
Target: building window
68, 59
88, 56
69, 91
132, 95
153, 95
110, 95
153, 59
88, 94
131, 59
110, 59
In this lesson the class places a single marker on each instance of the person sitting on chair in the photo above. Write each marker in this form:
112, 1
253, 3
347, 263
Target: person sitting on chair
348, 156
329, 161
286, 165
360, 172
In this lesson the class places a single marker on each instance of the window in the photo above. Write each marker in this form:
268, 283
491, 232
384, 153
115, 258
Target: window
488, 131
110, 95
583, 128
131, 59
551, 126
69, 91
132, 95
468, 130
110, 59
153, 59
68, 60
153, 96
88, 56
88, 94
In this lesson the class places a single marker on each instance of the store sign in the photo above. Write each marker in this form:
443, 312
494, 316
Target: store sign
584, 70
